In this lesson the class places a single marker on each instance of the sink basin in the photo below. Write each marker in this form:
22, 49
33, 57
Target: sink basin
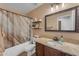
55, 43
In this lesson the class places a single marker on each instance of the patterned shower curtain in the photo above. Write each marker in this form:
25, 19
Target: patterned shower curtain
15, 29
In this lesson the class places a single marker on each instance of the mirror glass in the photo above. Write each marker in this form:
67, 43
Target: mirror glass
64, 21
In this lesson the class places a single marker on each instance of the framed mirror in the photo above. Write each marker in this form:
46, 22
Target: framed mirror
62, 21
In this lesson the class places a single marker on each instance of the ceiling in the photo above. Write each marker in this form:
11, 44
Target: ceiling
23, 8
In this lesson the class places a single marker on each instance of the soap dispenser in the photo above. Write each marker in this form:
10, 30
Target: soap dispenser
61, 40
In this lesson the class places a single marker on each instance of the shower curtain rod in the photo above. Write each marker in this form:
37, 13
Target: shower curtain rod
15, 13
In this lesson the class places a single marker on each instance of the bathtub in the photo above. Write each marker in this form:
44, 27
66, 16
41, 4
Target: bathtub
16, 50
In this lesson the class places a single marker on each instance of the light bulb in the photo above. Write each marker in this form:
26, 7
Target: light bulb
56, 6
62, 5
52, 9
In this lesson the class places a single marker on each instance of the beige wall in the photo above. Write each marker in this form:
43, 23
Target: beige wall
40, 13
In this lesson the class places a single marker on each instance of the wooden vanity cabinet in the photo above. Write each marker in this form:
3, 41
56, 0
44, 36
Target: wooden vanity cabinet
42, 50
39, 49
52, 52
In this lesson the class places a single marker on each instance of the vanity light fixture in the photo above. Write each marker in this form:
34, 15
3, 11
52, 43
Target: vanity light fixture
52, 7
57, 5
54, 4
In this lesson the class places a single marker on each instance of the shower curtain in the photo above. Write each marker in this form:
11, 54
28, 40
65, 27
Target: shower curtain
15, 29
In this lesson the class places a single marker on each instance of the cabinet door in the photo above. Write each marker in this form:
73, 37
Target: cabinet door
52, 52
39, 49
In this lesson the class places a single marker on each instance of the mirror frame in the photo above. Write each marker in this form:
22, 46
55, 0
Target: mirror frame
73, 8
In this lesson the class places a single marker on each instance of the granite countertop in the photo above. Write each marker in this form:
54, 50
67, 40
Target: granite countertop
70, 48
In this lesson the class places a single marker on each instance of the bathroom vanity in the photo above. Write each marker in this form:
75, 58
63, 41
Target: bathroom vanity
53, 52
47, 47
42, 50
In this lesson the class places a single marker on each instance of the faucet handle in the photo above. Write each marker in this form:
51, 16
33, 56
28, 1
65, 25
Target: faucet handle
55, 38
61, 36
